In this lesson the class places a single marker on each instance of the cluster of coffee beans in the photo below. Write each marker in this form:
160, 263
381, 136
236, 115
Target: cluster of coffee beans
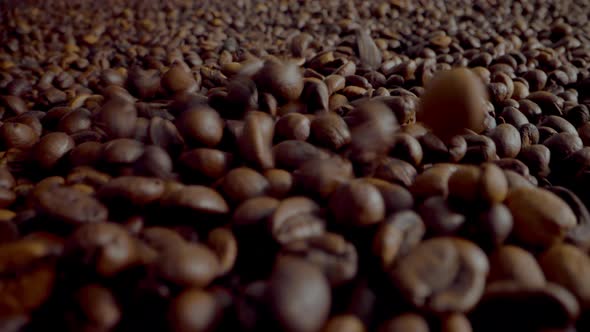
298, 166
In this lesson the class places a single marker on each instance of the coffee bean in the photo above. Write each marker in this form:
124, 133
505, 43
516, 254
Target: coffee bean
134, 190
291, 154
438, 216
396, 171
439, 103
224, 245
282, 79
177, 79
336, 257
549, 103
562, 145
357, 203
117, 118
568, 266
242, 94
493, 227
537, 158
507, 140
330, 131
280, 182
197, 198
96, 308
461, 270
17, 135
163, 133
210, 163
322, 177
293, 126
315, 94
122, 151
189, 265
344, 323
255, 211
433, 181
103, 248
194, 310
395, 197
529, 135
540, 217
296, 286
201, 126
397, 236
70, 206
243, 183
473, 184
456, 323
296, 218
511, 263
405, 322
160, 238
255, 142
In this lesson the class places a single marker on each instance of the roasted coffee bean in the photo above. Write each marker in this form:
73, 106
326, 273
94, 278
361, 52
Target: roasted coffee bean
160, 238
456, 323
344, 323
511, 263
200, 126
224, 245
395, 197
163, 133
438, 216
194, 310
17, 135
440, 101
255, 211
330, 131
189, 265
507, 140
405, 322
397, 236
537, 158
513, 116
315, 94
407, 148
209, 163
280, 182
540, 217
322, 177
562, 145
293, 126
493, 226
292, 154
70, 206
117, 118
461, 270
243, 183
282, 79
549, 103
103, 248
560, 125
433, 181
177, 79
396, 171
568, 266
122, 151
296, 218
134, 190
255, 142
242, 94
357, 203
473, 184
529, 308
336, 257
96, 309
197, 198
296, 286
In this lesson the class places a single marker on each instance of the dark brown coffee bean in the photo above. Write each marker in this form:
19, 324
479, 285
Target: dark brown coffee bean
540, 217
17, 135
296, 286
479, 149
280, 182
282, 79
135, 190
7, 197
292, 154
493, 226
563, 145
336, 257
255, 142
407, 148
514, 117
201, 126
70, 206
545, 133
75, 121
224, 245
188, 265
242, 94
322, 177
243, 183
530, 109
344, 323
293, 126
456, 323
511, 263
255, 211
96, 308
405, 322
537, 158
200, 199
549, 103
104, 248
330, 131
296, 218
395, 197
395, 171
397, 236
117, 118
369, 53
507, 140
194, 310
177, 79
529, 135
529, 308
584, 132
536, 79
438, 216
210, 163
315, 94
163, 133
154, 161
472, 184
560, 125
439, 103
122, 151
160, 238
461, 270
569, 267
52, 147
357, 203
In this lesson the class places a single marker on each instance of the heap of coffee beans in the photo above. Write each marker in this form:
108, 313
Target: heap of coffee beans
298, 166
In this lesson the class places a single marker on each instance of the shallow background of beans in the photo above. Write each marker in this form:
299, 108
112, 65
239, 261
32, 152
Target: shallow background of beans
298, 166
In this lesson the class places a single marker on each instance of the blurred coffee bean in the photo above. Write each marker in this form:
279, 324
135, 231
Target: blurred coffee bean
243, 183
292, 126
397, 235
281, 79
511, 263
321, 178
405, 322
200, 126
357, 203
194, 310
255, 142
330, 131
189, 265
